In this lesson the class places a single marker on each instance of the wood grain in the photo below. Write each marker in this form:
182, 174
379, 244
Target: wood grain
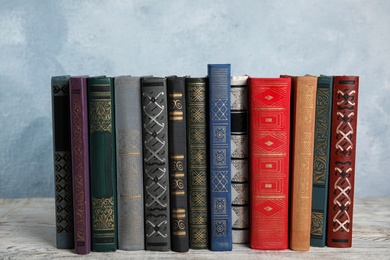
27, 231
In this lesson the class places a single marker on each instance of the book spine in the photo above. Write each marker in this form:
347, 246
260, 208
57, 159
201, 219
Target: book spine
342, 161
321, 161
239, 159
80, 164
128, 128
269, 133
220, 179
304, 102
62, 162
198, 174
178, 163
102, 164
156, 166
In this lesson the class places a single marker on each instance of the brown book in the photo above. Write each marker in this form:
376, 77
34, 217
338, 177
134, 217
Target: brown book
342, 160
304, 91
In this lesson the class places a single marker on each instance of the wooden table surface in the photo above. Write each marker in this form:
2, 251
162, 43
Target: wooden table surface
27, 230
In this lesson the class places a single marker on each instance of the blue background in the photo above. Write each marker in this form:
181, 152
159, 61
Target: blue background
39, 39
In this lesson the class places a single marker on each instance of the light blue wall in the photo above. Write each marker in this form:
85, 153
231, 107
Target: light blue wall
39, 39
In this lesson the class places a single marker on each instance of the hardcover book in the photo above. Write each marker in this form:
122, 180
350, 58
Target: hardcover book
269, 131
198, 172
178, 163
102, 166
239, 159
62, 162
321, 161
156, 164
220, 179
130, 193
342, 161
304, 89
80, 164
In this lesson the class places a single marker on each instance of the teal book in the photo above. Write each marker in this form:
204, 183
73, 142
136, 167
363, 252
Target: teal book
62, 162
102, 160
321, 161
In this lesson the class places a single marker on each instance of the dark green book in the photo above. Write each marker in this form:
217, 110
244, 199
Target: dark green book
62, 162
321, 161
197, 150
102, 164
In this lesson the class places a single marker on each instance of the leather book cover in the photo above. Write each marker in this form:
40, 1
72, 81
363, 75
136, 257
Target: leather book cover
156, 163
62, 162
321, 161
80, 164
130, 192
178, 163
198, 171
220, 179
342, 161
269, 131
304, 89
102, 166
239, 159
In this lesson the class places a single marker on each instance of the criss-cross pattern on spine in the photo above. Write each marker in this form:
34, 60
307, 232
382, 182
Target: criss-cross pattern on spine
155, 185
154, 127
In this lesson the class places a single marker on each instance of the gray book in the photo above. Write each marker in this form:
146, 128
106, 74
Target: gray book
128, 125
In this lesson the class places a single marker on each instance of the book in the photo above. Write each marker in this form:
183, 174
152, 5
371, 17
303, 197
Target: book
130, 193
80, 164
269, 131
239, 159
304, 89
322, 126
178, 163
219, 139
197, 152
62, 162
102, 159
342, 161
155, 163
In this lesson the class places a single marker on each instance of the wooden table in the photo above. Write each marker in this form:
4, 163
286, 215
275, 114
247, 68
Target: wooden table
27, 230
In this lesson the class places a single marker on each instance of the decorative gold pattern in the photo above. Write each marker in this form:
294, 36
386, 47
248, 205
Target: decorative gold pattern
100, 115
317, 223
103, 213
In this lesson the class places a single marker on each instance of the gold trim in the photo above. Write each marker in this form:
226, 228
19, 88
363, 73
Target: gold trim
269, 108
180, 113
270, 154
180, 192
177, 156
179, 233
176, 118
271, 197
176, 95
178, 210
180, 216
130, 197
177, 175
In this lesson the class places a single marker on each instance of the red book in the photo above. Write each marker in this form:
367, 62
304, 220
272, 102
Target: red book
269, 132
342, 161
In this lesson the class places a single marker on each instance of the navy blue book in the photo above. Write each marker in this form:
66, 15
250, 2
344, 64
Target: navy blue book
220, 180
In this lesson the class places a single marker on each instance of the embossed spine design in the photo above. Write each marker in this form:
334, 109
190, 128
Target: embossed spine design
62, 162
342, 161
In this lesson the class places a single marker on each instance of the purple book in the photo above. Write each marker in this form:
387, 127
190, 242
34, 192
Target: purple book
80, 166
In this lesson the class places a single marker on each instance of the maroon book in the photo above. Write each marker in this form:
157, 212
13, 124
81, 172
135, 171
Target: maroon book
80, 166
342, 161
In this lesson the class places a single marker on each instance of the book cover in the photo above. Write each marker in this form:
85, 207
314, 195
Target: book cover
220, 179
321, 161
269, 131
178, 163
80, 164
198, 171
304, 89
130, 193
239, 159
102, 166
342, 161
156, 163
62, 162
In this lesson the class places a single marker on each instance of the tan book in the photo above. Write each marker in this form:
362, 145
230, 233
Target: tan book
304, 90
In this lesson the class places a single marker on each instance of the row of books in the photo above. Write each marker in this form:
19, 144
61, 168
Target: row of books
172, 163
